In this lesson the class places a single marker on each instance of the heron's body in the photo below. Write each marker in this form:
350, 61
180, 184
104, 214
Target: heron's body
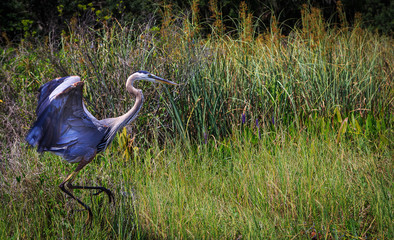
65, 127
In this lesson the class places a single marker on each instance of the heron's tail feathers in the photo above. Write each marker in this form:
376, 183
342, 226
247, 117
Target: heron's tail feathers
39, 138
34, 136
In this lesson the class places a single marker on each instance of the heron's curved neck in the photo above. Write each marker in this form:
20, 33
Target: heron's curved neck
118, 123
139, 99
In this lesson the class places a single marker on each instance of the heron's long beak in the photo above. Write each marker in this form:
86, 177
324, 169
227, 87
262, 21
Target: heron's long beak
165, 81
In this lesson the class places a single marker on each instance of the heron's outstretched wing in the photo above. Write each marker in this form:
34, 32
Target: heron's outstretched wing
63, 124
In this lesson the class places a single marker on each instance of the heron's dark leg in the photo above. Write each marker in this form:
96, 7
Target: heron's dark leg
99, 188
71, 178
68, 182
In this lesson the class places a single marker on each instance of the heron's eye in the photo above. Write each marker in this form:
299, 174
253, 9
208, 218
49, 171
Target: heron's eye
149, 75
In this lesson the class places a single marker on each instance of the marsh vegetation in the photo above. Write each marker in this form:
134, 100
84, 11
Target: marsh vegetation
268, 136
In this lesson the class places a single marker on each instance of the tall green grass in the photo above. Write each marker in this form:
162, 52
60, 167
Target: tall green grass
276, 187
311, 74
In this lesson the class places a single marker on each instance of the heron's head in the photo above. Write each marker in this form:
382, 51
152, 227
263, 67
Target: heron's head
147, 76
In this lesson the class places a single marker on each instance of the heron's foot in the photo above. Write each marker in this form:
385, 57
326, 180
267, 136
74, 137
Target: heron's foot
90, 217
99, 191
90, 214
107, 191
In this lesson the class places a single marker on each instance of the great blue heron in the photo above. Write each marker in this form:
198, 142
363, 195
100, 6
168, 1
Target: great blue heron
65, 127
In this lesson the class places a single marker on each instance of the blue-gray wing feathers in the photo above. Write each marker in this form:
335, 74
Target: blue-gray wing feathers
63, 124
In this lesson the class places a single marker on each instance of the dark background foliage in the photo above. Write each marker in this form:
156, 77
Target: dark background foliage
25, 18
